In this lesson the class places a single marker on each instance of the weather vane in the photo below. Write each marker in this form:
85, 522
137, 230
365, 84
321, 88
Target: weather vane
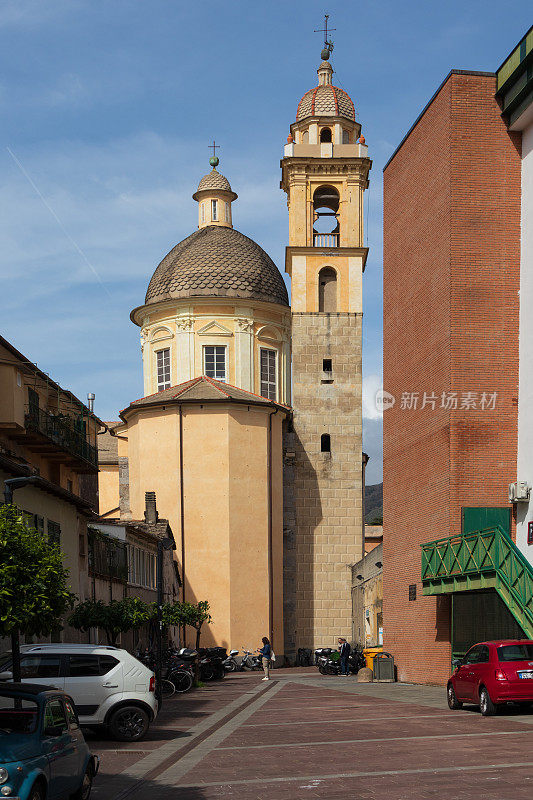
328, 44
214, 160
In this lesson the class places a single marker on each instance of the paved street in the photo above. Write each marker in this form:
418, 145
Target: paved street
307, 736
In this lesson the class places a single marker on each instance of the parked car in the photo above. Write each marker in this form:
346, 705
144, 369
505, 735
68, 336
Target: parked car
109, 686
493, 673
42, 750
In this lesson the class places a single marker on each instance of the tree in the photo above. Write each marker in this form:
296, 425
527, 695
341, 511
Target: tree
192, 614
34, 593
116, 617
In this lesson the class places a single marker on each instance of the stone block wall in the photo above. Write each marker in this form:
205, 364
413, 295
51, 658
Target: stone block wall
323, 513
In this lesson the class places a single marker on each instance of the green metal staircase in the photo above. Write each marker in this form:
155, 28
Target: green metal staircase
481, 560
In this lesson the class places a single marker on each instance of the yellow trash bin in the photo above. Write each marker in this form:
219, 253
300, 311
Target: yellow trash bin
369, 653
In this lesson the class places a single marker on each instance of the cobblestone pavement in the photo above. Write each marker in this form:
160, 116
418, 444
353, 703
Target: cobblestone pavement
307, 736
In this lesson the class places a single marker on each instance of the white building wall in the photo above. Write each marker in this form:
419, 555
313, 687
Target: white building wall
525, 393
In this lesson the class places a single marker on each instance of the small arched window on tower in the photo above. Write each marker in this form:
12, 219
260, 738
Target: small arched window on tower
305, 137
327, 290
214, 211
345, 136
202, 212
325, 443
325, 135
228, 212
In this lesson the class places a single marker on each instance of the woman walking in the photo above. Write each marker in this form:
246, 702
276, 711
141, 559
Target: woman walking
266, 652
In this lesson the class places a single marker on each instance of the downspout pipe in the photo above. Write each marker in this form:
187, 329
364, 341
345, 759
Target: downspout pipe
182, 523
270, 554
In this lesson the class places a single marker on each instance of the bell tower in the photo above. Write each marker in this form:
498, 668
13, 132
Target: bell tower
324, 174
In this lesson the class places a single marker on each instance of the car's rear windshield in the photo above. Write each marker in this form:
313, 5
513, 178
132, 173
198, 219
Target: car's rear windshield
515, 652
18, 715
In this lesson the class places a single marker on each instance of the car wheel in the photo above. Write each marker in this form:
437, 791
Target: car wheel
37, 792
84, 792
453, 702
486, 706
129, 724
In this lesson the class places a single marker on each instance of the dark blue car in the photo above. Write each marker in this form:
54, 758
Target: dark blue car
43, 755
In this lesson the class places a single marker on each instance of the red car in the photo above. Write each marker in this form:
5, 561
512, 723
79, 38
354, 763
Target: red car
493, 673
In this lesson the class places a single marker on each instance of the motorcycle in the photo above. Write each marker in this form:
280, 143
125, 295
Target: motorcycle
249, 661
328, 661
212, 663
230, 663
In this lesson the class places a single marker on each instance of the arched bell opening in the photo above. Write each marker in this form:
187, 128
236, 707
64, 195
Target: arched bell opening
326, 230
325, 135
327, 290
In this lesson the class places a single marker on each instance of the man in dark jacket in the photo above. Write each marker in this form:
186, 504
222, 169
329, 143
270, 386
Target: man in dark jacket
345, 652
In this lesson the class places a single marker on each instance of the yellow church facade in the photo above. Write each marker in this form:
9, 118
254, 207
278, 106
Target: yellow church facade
241, 390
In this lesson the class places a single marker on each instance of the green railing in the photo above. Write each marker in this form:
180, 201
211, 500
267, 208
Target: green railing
60, 430
477, 560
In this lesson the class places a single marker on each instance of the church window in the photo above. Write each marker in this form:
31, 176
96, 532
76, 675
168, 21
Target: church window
228, 213
325, 443
325, 135
215, 362
202, 212
163, 369
345, 136
305, 137
327, 365
268, 374
327, 290
214, 210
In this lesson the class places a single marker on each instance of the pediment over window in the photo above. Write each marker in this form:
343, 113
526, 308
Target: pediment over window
158, 334
214, 329
269, 334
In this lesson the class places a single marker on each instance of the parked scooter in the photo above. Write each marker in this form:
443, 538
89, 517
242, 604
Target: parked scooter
230, 663
329, 662
212, 663
249, 661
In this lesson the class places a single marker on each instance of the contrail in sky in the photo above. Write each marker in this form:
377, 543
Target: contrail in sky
53, 213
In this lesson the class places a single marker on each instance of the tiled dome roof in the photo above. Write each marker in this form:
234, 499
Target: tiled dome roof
214, 180
217, 262
325, 101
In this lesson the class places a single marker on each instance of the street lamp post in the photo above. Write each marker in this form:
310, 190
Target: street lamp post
162, 544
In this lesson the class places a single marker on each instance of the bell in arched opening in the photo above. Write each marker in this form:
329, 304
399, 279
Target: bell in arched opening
326, 228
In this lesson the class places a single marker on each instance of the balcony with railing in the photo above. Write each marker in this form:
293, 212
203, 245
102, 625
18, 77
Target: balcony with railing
108, 557
325, 239
58, 432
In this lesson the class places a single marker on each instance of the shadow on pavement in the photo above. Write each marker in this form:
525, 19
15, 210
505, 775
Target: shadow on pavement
129, 789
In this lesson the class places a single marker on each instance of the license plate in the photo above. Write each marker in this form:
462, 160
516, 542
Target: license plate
526, 674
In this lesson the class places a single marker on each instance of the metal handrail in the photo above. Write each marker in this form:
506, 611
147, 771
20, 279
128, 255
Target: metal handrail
490, 550
59, 430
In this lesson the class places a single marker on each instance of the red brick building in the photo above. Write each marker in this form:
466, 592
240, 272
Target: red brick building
451, 280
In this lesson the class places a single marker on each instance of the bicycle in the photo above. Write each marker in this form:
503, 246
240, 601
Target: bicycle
167, 689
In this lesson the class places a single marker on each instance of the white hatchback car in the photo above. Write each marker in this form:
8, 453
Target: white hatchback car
108, 685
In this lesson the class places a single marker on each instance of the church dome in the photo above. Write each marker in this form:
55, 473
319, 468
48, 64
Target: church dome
325, 101
217, 261
214, 180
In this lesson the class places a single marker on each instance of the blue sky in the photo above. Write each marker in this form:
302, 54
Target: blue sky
107, 109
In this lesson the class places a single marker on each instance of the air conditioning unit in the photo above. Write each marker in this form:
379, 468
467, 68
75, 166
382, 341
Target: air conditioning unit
519, 492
